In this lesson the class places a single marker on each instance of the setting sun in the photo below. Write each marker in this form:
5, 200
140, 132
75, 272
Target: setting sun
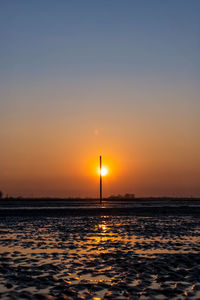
103, 171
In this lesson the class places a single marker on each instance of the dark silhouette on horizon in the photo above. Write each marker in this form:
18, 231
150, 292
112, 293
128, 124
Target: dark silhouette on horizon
100, 180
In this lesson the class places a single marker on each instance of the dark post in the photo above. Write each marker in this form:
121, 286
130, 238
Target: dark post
100, 181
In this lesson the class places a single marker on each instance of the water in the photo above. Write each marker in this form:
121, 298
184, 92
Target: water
50, 204
92, 256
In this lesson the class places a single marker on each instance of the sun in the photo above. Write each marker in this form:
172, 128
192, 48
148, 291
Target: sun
104, 171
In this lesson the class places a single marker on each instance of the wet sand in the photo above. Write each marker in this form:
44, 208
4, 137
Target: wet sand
101, 211
92, 207
100, 257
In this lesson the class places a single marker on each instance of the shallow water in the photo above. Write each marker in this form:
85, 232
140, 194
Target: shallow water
104, 257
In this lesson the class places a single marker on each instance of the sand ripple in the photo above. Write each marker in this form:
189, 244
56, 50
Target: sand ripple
98, 257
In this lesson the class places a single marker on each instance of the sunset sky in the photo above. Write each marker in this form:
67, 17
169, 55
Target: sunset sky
79, 79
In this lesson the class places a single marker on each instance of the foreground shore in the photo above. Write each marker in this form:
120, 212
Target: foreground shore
99, 257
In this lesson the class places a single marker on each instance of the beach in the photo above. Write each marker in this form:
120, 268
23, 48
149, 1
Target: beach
100, 150
99, 256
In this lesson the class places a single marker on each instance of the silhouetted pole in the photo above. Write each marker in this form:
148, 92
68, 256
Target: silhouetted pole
100, 181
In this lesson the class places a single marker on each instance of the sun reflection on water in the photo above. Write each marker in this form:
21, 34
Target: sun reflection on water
103, 227
93, 252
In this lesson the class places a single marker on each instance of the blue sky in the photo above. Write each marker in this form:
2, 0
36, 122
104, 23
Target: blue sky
40, 37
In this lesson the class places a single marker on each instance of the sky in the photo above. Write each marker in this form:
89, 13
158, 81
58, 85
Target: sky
79, 79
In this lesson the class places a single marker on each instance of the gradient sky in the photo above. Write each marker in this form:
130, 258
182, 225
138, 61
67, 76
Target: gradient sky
84, 78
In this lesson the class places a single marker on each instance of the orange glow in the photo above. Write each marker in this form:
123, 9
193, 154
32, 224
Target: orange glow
103, 227
103, 171
111, 165
43, 159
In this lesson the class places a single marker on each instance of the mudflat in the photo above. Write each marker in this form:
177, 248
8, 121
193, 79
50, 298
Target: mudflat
100, 256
